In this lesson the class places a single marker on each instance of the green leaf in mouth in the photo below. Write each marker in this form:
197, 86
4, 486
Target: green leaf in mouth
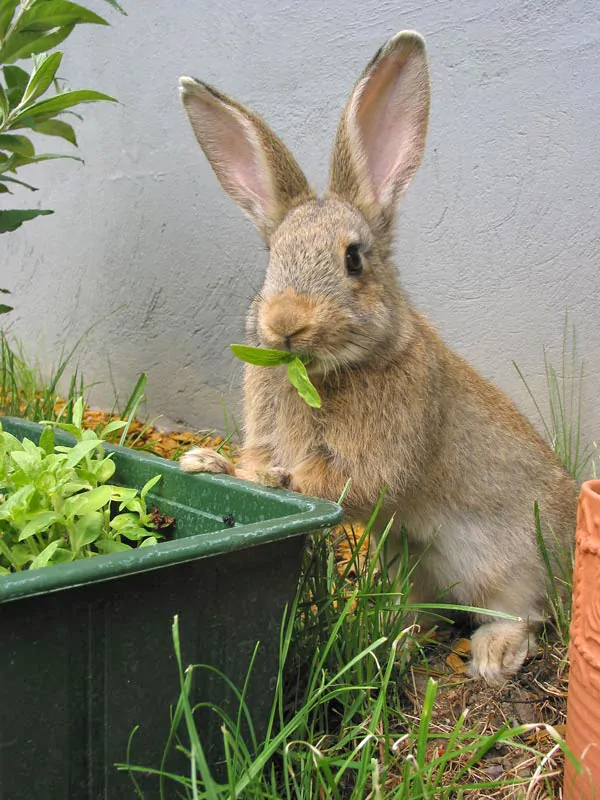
296, 368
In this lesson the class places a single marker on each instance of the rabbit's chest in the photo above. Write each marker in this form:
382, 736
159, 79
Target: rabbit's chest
301, 432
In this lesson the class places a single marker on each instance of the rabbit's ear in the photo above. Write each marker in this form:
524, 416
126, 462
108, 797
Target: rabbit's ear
251, 163
381, 136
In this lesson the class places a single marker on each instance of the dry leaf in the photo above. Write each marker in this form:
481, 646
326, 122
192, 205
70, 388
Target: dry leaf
456, 664
462, 647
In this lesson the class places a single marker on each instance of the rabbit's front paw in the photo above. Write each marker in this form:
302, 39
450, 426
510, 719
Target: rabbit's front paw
498, 650
203, 459
274, 477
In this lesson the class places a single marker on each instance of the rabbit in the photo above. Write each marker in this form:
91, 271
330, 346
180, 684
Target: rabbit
463, 468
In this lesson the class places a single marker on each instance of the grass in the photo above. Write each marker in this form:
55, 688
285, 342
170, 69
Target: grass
562, 421
340, 726
365, 706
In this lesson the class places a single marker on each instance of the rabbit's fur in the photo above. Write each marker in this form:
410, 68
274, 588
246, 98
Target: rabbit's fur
400, 410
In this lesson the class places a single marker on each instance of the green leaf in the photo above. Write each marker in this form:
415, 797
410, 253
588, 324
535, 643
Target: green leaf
78, 452
85, 503
44, 557
42, 77
16, 144
87, 529
261, 356
123, 520
56, 127
72, 487
4, 571
117, 425
110, 546
24, 161
106, 469
62, 556
123, 493
26, 461
149, 485
148, 542
9, 179
47, 440
4, 309
56, 13
114, 4
133, 531
27, 43
64, 426
13, 219
4, 105
78, 412
60, 102
298, 377
41, 522
6, 14
21, 555
16, 80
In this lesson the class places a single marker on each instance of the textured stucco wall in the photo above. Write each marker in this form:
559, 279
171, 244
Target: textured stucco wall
498, 235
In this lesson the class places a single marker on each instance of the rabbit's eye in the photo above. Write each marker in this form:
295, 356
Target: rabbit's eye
354, 263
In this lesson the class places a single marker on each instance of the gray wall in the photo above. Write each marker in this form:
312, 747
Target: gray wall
498, 235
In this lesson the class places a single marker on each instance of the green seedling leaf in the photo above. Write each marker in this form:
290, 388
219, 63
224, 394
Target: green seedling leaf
47, 440
123, 494
41, 522
298, 377
78, 412
134, 532
105, 470
62, 556
122, 521
27, 462
149, 541
87, 529
85, 503
21, 555
72, 487
110, 546
79, 452
149, 485
44, 557
261, 356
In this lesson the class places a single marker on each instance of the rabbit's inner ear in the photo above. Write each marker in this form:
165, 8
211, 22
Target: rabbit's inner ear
381, 136
252, 165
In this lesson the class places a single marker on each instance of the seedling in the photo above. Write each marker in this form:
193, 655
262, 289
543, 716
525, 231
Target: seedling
296, 368
56, 504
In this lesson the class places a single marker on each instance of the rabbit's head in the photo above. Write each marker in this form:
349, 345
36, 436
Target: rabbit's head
330, 291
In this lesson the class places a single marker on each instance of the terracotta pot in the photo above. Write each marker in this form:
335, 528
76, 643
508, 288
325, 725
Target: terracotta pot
583, 704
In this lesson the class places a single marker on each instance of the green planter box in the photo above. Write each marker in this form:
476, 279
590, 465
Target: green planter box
86, 651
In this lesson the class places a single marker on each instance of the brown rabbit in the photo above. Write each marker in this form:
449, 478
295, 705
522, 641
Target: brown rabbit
399, 409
